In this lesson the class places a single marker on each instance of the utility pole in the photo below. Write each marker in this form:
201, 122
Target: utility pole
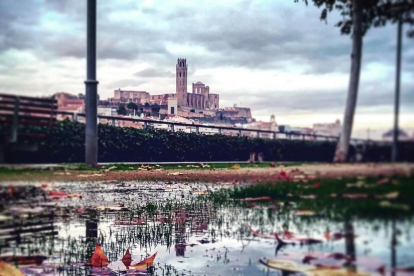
394, 153
91, 99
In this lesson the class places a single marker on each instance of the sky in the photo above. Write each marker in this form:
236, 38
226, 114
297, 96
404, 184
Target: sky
274, 56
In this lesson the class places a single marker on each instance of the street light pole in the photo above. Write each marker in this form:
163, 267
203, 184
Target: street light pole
394, 153
91, 85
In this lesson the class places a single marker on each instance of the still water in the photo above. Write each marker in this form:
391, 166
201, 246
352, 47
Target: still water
191, 233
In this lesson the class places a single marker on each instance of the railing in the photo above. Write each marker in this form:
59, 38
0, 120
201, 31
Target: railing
233, 131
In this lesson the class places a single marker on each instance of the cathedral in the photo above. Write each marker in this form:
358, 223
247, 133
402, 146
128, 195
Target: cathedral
199, 101
200, 98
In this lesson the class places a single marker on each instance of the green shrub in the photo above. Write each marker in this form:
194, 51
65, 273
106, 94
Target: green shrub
65, 143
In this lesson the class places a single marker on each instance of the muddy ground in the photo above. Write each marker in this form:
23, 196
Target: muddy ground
223, 176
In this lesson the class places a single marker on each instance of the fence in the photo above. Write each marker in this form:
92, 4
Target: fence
207, 129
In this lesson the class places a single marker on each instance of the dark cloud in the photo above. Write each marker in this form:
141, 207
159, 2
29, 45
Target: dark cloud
124, 83
255, 35
155, 73
371, 95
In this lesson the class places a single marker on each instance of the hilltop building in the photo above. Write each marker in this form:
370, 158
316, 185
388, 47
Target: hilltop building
69, 103
199, 100
330, 129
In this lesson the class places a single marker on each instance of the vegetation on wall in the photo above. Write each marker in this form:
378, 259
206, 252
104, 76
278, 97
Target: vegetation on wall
65, 143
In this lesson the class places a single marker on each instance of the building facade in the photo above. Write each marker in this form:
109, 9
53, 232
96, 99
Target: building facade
331, 129
200, 99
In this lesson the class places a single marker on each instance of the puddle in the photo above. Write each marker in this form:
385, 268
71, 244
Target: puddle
191, 233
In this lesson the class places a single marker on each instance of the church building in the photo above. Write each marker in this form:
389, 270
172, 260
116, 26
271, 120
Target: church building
200, 99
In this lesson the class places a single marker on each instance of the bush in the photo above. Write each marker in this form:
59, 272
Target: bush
65, 143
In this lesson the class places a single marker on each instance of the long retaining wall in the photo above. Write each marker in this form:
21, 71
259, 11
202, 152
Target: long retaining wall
65, 144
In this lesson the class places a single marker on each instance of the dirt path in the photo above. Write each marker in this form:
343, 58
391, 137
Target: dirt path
249, 175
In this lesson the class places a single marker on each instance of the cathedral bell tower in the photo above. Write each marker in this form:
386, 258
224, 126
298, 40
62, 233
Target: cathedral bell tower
181, 81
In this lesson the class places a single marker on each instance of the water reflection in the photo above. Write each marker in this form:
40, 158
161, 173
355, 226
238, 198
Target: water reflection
195, 236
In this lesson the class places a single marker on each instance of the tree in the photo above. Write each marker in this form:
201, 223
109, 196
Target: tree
121, 110
358, 16
132, 106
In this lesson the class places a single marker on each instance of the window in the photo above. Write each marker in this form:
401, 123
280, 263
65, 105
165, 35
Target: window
172, 110
180, 74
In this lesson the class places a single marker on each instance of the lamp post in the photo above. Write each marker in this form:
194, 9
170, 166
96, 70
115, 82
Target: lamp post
394, 153
91, 85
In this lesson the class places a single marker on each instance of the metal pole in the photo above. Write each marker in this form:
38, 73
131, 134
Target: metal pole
91, 99
394, 153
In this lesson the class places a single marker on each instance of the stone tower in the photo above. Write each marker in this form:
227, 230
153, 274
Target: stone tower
181, 82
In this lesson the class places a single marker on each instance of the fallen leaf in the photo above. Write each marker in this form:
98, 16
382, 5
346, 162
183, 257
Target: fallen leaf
358, 184
9, 270
392, 195
287, 266
304, 213
11, 191
263, 198
317, 185
58, 194
383, 181
90, 175
284, 176
127, 258
354, 196
308, 196
99, 258
235, 167
175, 173
145, 264
387, 204
110, 169
74, 195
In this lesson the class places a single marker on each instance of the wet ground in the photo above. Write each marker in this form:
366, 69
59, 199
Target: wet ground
193, 230
212, 173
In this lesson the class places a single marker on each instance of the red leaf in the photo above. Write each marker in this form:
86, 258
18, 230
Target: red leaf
58, 194
99, 258
11, 190
127, 258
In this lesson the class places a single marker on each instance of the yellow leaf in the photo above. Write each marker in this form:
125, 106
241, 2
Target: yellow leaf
8, 270
142, 265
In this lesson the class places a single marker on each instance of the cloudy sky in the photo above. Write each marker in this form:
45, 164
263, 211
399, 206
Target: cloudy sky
274, 56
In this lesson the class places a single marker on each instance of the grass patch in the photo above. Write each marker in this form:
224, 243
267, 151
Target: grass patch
336, 198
